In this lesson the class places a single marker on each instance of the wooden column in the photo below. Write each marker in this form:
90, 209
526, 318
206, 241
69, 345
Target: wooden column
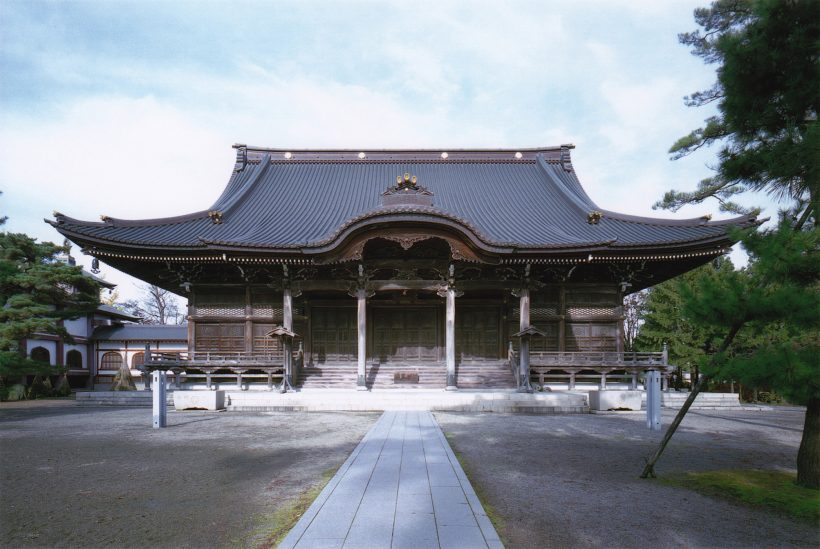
191, 323
361, 363
562, 315
524, 346
450, 338
60, 358
287, 323
248, 321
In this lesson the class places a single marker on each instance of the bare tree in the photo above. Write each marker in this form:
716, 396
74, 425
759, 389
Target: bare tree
156, 306
634, 308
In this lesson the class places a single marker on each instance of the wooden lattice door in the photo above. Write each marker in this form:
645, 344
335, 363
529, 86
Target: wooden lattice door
333, 334
477, 333
405, 334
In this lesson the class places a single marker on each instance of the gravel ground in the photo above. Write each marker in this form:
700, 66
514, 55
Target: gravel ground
101, 477
572, 481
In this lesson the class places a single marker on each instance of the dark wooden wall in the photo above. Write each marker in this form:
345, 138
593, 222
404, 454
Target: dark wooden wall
574, 317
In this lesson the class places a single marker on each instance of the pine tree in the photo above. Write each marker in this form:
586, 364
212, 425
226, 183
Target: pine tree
688, 342
767, 95
37, 292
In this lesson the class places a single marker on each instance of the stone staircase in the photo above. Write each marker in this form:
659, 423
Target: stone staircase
704, 401
485, 375
478, 375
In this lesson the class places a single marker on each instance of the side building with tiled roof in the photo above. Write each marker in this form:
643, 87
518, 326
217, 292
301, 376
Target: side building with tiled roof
102, 342
381, 268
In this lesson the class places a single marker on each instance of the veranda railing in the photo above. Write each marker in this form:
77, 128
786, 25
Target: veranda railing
210, 366
580, 366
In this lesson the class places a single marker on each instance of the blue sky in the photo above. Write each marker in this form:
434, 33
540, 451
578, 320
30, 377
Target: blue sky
130, 109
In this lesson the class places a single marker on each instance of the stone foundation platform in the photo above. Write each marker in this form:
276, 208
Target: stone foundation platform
500, 401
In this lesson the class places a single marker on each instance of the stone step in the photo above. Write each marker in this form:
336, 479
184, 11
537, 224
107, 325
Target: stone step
491, 374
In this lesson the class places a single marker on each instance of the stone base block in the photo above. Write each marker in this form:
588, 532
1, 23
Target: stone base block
199, 400
615, 400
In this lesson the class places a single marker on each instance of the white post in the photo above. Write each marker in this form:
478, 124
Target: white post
653, 400
361, 364
160, 405
450, 339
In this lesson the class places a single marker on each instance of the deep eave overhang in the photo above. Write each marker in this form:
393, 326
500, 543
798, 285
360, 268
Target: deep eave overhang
210, 248
410, 216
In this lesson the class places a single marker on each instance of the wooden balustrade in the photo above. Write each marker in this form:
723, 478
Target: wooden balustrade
595, 358
600, 367
206, 358
212, 366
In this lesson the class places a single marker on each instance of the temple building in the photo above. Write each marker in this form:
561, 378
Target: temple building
102, 342
410, 268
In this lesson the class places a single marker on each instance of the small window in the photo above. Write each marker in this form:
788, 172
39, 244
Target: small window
74, 359
111, 361
137, 360
41, 354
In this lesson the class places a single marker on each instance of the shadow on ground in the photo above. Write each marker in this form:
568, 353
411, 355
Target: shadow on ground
102, 477
572, 481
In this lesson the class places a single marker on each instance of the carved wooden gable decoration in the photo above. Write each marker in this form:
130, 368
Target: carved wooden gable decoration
407, 191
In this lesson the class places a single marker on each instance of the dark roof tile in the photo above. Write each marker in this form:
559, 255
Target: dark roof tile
535, 202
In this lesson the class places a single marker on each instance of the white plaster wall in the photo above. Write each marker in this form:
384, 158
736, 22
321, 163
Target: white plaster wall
171, 346
77, 327
111, 345
50, 345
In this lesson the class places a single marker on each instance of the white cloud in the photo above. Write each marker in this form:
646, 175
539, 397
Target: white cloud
435, 74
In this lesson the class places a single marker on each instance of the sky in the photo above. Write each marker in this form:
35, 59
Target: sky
130, 109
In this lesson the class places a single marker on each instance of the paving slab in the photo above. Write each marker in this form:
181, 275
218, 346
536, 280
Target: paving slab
401, 487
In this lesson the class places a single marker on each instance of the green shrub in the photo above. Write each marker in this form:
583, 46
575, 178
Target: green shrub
63, 388
16, 392
39, 387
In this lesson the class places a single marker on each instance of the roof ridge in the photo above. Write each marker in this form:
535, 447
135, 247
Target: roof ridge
558, 183
407, 150
703, 221
108, 221
241, 193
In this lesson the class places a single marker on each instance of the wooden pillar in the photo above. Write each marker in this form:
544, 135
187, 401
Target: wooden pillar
602, 385
146, 371
572, 380
191, 323
60, 358
450, 338
248, 321
361, 356
562, 314
524, 323
287, 323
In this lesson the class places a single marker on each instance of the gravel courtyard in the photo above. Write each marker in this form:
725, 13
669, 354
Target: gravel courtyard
572, 481
72, 476
101, 477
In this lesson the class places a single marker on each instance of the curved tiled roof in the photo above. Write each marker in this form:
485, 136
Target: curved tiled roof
142, 332
529, 201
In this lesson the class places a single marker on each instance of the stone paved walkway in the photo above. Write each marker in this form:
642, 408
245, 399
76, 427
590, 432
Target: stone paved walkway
402, 487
